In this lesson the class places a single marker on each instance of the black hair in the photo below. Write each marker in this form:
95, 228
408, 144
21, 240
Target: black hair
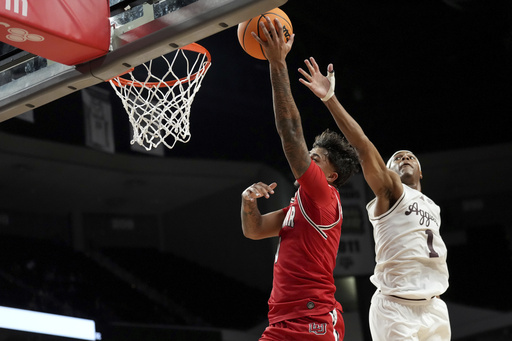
340, 153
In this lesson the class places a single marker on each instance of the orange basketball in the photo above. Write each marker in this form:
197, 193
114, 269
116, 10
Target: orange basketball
249, 44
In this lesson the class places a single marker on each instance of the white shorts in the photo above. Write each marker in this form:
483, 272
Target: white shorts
393, 318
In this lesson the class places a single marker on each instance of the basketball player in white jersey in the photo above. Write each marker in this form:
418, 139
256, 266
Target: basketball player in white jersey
411, 271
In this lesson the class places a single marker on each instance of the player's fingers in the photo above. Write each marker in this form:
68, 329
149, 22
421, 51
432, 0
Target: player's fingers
278, 27
274, 27
291, 40
305, 74
314, 64
311, 67
262, 189
247, 194
308, 63
265, 189
252, 193
269, 188
255, 36
259, 190
265, 33
269, 27
307, 84
264, 29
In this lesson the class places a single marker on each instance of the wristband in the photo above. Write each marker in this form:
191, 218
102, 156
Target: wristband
329, 94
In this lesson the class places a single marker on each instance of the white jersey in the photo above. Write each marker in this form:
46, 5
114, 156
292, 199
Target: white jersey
410, 254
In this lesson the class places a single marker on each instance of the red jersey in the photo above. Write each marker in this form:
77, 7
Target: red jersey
303, 282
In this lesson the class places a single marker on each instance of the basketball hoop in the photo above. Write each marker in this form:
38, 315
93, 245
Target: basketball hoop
158, 107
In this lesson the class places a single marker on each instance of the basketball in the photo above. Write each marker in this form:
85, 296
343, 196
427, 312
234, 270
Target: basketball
249, 44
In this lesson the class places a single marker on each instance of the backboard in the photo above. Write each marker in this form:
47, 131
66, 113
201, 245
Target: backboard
141, 30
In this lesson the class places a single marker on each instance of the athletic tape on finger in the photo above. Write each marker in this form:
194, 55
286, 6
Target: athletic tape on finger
331, 79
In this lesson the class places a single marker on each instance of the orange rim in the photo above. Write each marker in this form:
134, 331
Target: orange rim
122, 82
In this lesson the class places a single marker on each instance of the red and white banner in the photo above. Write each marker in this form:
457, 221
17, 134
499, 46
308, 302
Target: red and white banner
67, 32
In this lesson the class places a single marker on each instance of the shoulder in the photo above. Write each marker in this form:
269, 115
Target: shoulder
388, 194
381, 207
313, 180
312, 173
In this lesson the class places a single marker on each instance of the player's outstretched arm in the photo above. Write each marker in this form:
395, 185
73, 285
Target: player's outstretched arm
287, 116
254, 224
381, 180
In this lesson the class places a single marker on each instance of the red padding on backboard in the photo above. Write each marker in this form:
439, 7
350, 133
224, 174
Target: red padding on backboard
69, 32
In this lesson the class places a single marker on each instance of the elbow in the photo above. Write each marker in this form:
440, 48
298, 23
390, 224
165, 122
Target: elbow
250, 234
251, 224
290, 132
289, 125
246, 233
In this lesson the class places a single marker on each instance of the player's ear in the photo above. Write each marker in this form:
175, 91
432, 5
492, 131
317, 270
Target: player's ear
332, 177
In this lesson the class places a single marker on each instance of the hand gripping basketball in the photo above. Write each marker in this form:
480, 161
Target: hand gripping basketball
245, 29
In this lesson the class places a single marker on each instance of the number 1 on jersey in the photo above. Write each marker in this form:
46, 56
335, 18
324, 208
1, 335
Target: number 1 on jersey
430, 240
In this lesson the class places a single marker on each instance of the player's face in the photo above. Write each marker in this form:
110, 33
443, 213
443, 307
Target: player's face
319, 156
405, 164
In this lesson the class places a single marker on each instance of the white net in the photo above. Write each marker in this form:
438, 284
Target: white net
158, 99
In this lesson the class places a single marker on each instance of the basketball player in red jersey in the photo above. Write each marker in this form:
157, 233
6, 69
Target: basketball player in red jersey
411, 271
302, 304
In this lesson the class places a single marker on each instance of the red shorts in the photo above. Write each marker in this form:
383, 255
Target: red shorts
328, 327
